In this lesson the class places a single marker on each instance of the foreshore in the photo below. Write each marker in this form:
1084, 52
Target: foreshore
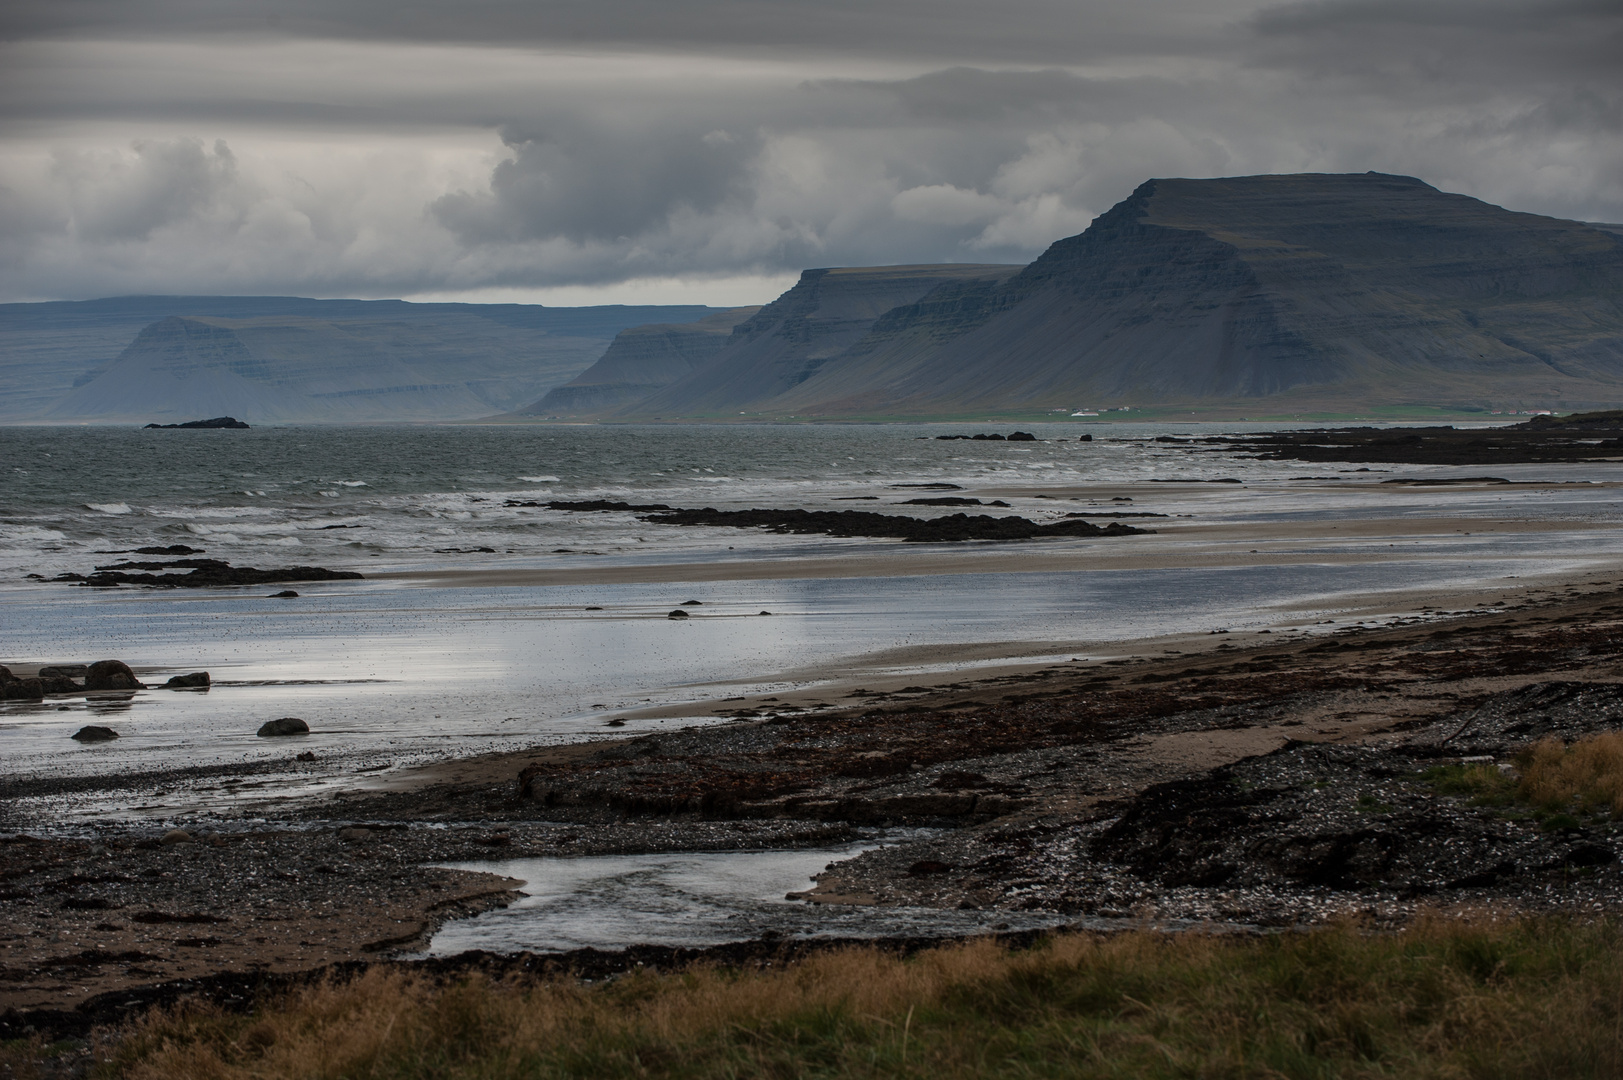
1028, 771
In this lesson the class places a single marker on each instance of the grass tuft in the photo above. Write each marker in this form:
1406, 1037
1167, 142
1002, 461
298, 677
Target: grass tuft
1474, 997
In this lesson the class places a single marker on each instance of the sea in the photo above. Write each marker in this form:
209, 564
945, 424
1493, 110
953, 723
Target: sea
404, 667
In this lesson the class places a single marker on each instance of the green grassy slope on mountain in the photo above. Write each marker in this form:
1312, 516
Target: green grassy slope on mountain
496, 356
639, 361
1322, 292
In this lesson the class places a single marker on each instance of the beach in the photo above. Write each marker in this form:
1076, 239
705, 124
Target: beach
481, 710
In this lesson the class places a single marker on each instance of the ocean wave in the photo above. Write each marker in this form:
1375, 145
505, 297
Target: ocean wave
25, 533
350, 483
539, 479
110, 508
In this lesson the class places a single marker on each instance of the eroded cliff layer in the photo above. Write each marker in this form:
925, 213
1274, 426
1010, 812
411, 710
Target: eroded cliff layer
791, 339
1343, 290
640, 360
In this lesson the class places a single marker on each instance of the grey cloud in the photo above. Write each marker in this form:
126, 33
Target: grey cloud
167, 182
1021, 31
658, 165
575, 183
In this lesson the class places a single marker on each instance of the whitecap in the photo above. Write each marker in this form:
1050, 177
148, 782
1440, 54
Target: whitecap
330, 494
110, 508
350, 483
539, 479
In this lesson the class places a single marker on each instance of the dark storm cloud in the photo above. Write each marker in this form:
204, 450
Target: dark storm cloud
1041, 31
356, 146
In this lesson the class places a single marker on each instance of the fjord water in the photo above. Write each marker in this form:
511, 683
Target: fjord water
396, 670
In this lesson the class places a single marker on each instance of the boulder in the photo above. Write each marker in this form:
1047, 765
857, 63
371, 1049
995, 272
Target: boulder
175, 836
64, 671
196, 680
287, 725
23, 690
60, 684
1084, 438
677, 613
1022, 436
308, 755
94, 733
285, 594
111, 675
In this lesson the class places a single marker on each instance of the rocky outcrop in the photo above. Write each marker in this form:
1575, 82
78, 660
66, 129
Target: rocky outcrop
197, 680
112, 675
217, 422
287, 725
641, 360
203, 573
948, 528
92, 733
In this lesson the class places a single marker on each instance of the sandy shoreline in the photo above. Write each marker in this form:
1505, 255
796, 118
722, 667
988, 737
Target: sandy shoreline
1170, 548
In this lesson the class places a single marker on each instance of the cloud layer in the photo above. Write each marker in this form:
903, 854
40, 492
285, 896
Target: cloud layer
183, 146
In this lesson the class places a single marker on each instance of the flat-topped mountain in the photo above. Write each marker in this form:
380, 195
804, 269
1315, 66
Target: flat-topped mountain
271, 359
641, 360
1330, 291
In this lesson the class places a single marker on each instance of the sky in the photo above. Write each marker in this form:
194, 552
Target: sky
706, 151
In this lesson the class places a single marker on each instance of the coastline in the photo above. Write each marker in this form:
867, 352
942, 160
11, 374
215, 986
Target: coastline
1158, 717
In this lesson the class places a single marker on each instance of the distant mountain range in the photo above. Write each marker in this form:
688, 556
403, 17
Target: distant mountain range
1287, 293
1300, 292
288, 359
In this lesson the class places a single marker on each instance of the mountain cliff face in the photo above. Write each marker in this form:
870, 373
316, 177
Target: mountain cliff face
788, 341
1340, 290
641, 360
287, 359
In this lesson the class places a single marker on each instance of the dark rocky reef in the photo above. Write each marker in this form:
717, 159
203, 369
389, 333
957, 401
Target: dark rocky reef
217, 422
1594, 436
203, 573
953, 527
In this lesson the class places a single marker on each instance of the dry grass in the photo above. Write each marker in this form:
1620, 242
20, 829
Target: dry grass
1586, 776
1448, 998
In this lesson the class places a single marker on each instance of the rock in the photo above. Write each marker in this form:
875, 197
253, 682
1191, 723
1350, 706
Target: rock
175, 836
1022, 436
287, 725
615, 723
111, 675
94, 733
285, 594
217, 422
677, 613
1084, 438
60, 684
172, 549
196, 680
203, 573
765, 613
693, 603
23, 689
354, 832
987, 438
64, 671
